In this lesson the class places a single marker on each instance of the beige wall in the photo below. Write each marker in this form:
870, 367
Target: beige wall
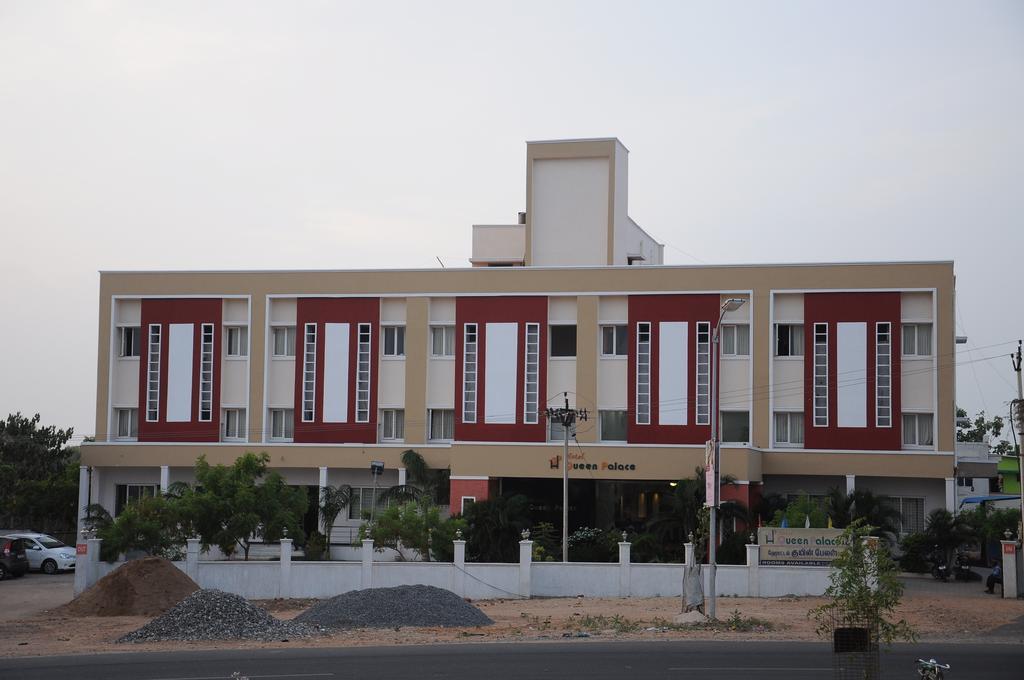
233, 382
391, 382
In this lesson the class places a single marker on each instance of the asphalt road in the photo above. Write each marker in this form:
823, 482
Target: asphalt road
519, 661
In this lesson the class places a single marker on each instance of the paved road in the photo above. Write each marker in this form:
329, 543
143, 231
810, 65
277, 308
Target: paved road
34, 593
520, 661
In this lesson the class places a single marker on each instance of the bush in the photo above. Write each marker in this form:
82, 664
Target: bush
733, 549
593, 545
316, 545
915, 549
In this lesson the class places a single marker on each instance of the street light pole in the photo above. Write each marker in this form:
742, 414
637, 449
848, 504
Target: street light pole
567, 417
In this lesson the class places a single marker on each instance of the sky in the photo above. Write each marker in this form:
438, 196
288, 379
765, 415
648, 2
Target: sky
320, 135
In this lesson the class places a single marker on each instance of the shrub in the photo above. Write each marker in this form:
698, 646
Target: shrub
915, 549
593, 545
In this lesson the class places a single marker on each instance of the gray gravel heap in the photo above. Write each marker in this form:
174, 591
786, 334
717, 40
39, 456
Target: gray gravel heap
216, 615
395, 607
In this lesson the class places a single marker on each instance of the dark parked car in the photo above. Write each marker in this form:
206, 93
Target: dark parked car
12, 557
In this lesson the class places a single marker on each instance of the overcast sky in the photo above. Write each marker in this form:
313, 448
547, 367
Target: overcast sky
228, 135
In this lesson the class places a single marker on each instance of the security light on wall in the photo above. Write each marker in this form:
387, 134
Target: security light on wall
732, 304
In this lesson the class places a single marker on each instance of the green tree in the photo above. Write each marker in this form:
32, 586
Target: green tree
423, 484
150, 525
683, 512
38, 474
409, 529
876, 511
799, 511
947, 531
333, 499
864, 590
494, 528
981, 426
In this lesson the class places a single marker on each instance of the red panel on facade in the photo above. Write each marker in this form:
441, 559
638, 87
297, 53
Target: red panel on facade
352, 311
657, 308
477, 489
196, 311
511, 309
833, 308
748, 495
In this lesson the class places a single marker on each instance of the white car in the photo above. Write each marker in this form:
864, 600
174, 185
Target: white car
47, 553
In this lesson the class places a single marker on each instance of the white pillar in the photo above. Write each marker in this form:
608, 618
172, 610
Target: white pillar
951, 494
165, 478
688, 552
851, 484
458, 583
92, 561
319, 514
83, 500
1010, 585
525, 558
401, 476
366, 576
285, 589
192, 559
753, 560
624, 561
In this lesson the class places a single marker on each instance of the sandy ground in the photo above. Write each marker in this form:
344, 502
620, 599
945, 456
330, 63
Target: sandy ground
962, 614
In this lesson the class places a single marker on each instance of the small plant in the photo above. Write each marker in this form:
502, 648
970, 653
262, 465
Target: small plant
536, 621
617, 623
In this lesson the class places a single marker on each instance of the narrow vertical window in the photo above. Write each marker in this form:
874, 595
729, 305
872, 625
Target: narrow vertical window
309, 373
363, 375
883, 374
643, 373
821, 375
532, 387
703, 373
153, 375
206, 373
469, 367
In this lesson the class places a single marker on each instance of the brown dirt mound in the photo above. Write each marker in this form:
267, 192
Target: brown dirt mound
145, 587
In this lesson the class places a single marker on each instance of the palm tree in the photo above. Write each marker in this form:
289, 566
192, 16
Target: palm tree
683, 515
422, 483
333, 499
839, 506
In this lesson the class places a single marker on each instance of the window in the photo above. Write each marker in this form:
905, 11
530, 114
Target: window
309, 373
206, 373
735, 340
361, 502
128, 342
917, 429
563, 341
883, 374
789, 340
392, 424
917, 339
394, 341
283, 341
127, 423
131, 493
469, 348
442, 341
556, 431
237, 341
821, 375
613, 341
735, 426
153, 374
703, 373
643, 373
467, 501
363, 372
965, 481
911, 513
531, 388
613, 426
442, 424
789, 429
282, 424
234, 423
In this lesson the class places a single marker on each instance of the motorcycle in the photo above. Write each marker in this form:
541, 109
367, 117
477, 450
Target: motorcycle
940, 569
962, 568
931, 669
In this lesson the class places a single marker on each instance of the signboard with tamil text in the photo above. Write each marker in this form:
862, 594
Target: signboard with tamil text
798, 547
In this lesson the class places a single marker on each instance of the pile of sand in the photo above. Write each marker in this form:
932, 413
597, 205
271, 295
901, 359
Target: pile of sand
145, 587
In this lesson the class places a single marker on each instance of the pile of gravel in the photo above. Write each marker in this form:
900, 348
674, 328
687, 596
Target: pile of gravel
395, 607
216, 615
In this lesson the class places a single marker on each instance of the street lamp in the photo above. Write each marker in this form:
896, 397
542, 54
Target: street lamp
376, 469
730, 305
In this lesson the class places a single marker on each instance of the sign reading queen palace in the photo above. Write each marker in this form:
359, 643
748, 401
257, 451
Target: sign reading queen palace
798, 547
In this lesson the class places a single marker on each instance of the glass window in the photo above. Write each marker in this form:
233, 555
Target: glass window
917, 339
735, 426
131, 493
234, 423
735, 339
613, 426
613, 340
789, 428
911, 513
917, 429
282, 423
394, 341
128, 341
392, 424
283, 341
442, 341
563, 341
556, 431
362, 499
237, 341
789, 340
442, 424
127, 423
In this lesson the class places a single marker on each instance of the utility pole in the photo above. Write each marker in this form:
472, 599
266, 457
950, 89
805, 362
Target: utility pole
1018, 410
568, 418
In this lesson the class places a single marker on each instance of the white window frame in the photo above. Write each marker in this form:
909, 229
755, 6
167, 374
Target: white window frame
398, 341
447, 334
242, 342
788, 441
462, 503
136, 346
559, 435
819, 383
470, 368
241, 431
643, 373
285, 421
308, 401
898, 501
911, 350
721, 429
364, 368
531, 375
154, 338
790, 327
551, 342
616, 346
430, 424
883, 383
600, 424
289, 333
141, 489
206, 372
361, 493
916, 445
733, 329
132, 414
703, 384
393, 431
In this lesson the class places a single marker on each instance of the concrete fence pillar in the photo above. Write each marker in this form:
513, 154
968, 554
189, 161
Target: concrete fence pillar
525, 560
92, 561
83, 501
688, 552
624, 562
192, 559
322, 484
753, 578
366, 577
458, 582
1010, 586
285, 589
